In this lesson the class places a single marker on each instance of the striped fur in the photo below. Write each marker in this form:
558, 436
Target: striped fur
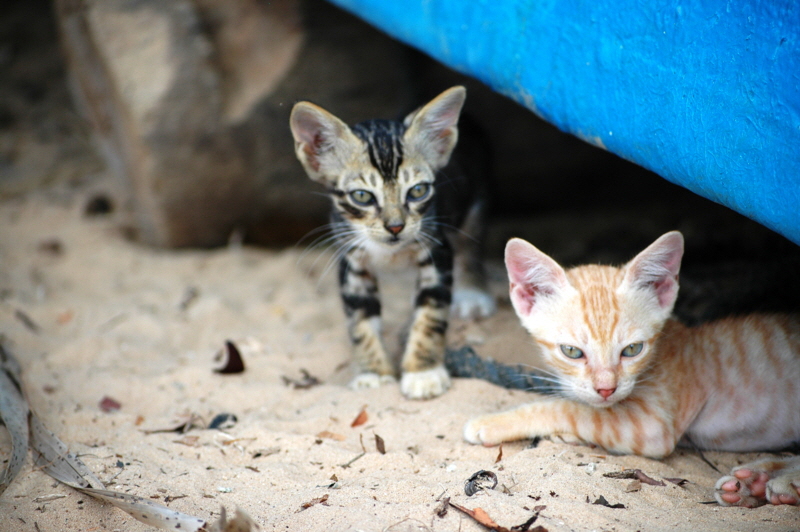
732, 385
394, 206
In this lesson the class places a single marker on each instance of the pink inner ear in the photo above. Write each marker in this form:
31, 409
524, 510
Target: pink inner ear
666, 290
312, 150
443, 135
531, 275
522, 296
521, 293
657, 268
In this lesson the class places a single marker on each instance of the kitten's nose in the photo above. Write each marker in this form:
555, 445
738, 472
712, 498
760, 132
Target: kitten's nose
606, 392
395, 229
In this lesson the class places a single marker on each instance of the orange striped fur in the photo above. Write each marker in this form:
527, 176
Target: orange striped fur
634, 380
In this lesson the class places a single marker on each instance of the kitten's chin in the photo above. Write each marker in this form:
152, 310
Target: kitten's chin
389, 244
388, 253
597, 401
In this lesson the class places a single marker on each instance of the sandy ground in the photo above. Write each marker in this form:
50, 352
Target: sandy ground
113, 319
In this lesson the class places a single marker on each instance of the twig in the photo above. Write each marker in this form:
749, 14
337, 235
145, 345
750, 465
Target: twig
348, 464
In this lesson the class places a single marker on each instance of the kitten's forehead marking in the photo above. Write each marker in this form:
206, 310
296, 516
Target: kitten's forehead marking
384, 140
598, 299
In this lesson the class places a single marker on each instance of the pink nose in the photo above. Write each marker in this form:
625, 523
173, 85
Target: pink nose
395, 229
606, 392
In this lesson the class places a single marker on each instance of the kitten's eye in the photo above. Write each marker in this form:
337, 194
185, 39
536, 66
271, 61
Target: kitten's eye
419, 192
571, 352
362, 197
633, 349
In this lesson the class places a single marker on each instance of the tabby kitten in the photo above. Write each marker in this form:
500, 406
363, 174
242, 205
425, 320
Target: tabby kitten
633, 380
395, 204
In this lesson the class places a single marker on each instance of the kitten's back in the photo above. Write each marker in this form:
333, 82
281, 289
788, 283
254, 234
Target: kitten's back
751, 370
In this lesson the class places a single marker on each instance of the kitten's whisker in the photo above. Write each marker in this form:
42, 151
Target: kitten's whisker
355, 241
436, 223
321, 241
331, 232
323, 194
429, 237
540, 370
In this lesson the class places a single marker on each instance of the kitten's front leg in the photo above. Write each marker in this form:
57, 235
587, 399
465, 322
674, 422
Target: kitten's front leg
359, 289
424, 374
628, 427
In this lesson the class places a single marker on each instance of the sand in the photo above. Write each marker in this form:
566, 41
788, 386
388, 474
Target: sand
142, 326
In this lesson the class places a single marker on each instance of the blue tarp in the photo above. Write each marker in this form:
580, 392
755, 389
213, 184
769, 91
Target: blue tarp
704, 93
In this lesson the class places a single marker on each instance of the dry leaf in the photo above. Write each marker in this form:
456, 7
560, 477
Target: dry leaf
14, 412
380, 445
107, 404
191, 441
526, 526
480, 515
679, 481
331, 436
499, 454
361, 418
601, 501
646, 479
319, 500
149, 512
634, 474
52, 456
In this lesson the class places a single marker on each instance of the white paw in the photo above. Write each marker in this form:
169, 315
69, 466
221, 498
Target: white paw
471, 303
474, 433
485, 430
364, 381
425, 384
784, 489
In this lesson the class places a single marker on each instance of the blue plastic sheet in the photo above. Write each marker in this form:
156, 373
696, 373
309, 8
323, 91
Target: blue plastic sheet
704, 93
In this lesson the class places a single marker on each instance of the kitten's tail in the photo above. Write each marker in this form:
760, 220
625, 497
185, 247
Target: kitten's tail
466, 363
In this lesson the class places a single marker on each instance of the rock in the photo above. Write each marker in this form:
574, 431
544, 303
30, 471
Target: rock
189, 105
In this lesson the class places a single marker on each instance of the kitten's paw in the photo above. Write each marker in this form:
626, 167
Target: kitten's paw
479, 431
425, 384
749, 487
368, 380
471, 303
748, 491
784, 490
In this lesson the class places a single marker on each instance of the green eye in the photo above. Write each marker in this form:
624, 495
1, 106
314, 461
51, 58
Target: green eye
419, 192
571, 352
633, 349
362, 197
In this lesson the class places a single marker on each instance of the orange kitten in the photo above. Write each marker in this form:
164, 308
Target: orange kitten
632, 380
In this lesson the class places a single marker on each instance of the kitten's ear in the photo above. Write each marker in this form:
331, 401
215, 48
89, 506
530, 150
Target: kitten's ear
322, 142
657, 267
432, 130
531, 275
